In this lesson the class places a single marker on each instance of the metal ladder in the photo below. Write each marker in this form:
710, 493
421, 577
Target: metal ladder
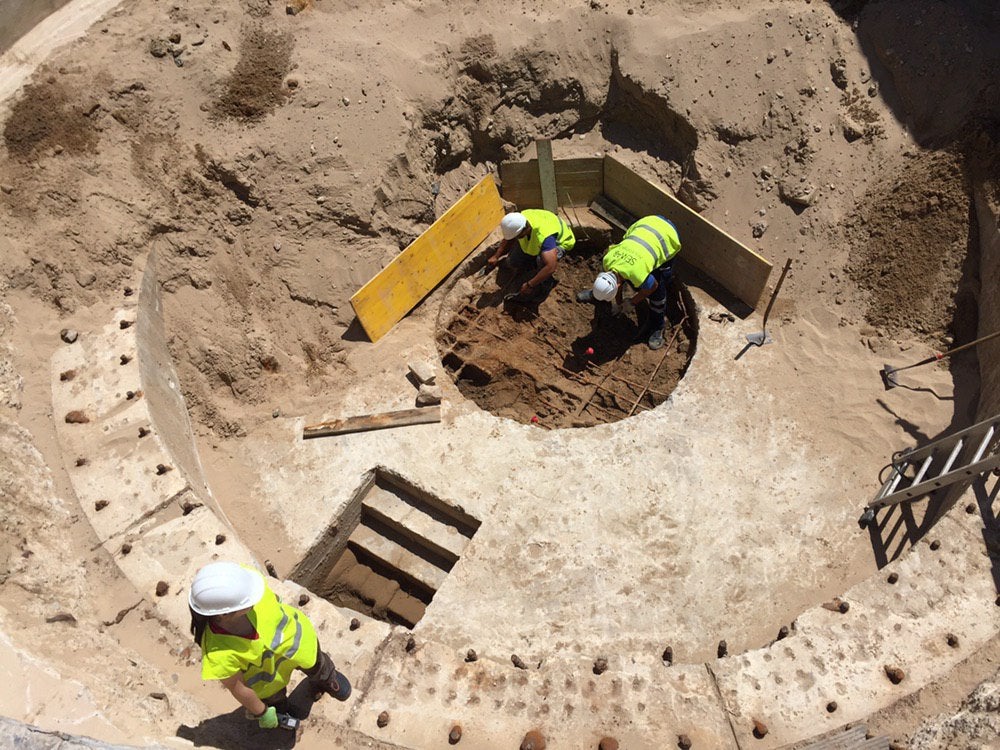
920, 471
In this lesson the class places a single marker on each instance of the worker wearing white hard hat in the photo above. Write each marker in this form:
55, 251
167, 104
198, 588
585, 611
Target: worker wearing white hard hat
643, 259
252, 643
537, 238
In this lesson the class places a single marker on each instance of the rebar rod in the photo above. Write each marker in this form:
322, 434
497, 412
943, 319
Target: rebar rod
663, 359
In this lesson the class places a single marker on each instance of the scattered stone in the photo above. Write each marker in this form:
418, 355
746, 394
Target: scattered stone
271, 570
6, 188
758, 228
423, 372
935, 545
952, 640
128, 291
895, 674
355, 623
893, 577
68, 335
455, 735
471, 655
722, 650
158, 696
303, 599
346, 101
226, 46
159, 47
129, 395
970, 508
600, 666
831, 707
67, 375
837, 605
873, 90
668, 656
126, 548
162, 587
76, 417
143, 431
607, 743
851, 129
759, 729
533, 740
124, 359
782, 632
429, 395
61, 617
220, 539
294, 7
123, 324
517, 661
276, 413
81, 461
175, 38
100, 505
683, 742
383, 719
803, 194
838, 72
411, 645
162, 469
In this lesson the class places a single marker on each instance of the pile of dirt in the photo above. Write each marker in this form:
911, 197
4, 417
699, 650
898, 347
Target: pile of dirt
910, 241
555, 362
256, 87
47, 117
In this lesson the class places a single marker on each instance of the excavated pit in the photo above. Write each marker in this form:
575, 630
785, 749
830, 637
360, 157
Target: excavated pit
556, 362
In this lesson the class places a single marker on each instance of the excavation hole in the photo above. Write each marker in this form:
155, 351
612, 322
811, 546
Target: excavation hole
530, 362
389, 552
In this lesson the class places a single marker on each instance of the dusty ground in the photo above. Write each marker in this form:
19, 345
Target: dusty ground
277, 161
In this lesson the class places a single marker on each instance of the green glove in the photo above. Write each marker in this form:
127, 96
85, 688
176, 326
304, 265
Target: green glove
268, 719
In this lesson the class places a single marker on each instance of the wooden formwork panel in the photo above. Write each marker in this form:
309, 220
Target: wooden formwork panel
397, 288
736, 267
578, 182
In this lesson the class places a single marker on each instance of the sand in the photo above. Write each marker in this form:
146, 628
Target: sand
276, 161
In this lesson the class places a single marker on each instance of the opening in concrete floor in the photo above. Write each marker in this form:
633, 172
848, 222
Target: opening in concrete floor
574, 364
389, 552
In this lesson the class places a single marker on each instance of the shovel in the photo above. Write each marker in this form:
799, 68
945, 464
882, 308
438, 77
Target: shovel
759, 339
888, 373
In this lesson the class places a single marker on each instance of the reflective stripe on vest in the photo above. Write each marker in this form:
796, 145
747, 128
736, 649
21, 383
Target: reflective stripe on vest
545, 224
279, 636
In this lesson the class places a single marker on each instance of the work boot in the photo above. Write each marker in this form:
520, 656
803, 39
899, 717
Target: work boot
656, 340
587, 295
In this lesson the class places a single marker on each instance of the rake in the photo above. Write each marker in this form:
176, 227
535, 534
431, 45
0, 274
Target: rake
888, 372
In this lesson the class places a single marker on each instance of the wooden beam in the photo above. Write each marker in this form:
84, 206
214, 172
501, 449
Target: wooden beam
616, 216
401, 285
547, 175
736, 267
404, 418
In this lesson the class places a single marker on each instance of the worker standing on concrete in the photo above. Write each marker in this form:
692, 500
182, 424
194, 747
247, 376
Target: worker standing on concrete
644, 258
252, 642
542, 240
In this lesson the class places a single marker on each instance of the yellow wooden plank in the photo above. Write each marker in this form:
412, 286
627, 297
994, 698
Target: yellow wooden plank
547, 175
397, 288
736, 267
578, 182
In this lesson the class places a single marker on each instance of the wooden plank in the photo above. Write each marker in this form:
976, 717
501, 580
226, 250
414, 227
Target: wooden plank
849, 738
547, 175
613, 214
578, 182
736, 267
403, 418
397, 288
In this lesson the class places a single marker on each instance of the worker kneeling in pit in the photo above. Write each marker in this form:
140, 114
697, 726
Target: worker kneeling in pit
252, 642
542, 240
644, 258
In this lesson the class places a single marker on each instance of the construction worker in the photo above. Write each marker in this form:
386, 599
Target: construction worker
252, 643
542, 240
644, 258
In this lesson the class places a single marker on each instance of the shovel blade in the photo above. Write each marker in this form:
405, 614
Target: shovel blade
759, 339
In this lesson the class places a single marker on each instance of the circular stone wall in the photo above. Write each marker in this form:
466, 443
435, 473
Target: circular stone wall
556, 362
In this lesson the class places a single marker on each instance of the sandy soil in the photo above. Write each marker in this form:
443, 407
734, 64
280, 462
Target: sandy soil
277, 161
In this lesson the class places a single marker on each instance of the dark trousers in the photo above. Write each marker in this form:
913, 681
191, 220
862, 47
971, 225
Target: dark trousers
323, 677
664, 276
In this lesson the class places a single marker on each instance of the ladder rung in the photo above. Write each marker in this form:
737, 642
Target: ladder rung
982, 446
923, 470
951, 459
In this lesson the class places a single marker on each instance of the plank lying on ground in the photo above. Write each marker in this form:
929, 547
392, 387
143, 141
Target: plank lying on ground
404, 418
706, 247
397, 288
614, 215
578, 182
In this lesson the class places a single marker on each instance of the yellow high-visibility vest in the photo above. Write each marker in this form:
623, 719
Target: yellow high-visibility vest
647, 245
545, 224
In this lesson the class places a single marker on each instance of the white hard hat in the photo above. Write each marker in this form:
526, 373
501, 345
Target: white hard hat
512, 225
605, 286
222, 587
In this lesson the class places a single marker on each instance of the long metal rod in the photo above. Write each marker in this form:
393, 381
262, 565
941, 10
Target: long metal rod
663, 359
